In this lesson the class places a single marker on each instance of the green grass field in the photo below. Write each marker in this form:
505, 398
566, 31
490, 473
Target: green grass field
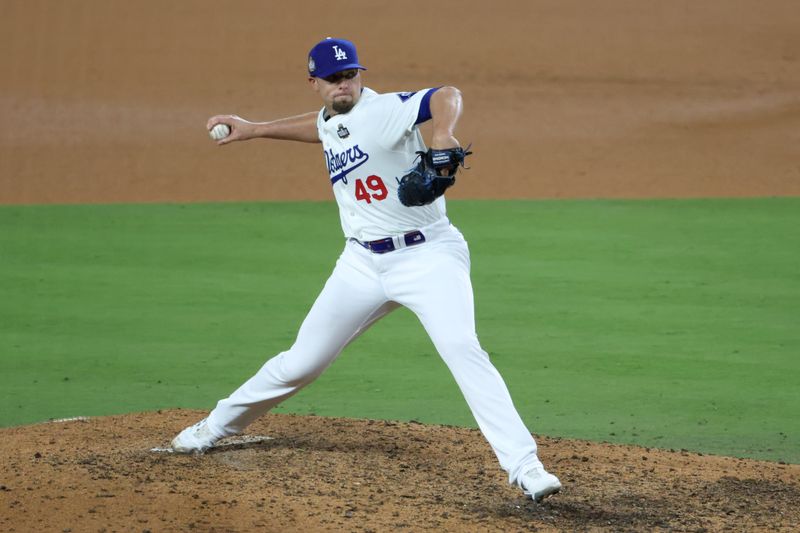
673, 324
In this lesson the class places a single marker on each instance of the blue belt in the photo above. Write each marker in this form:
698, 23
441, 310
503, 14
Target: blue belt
382, 246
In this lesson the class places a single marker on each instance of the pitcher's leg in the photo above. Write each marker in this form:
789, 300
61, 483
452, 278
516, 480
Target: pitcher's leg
487, 396
442, 298
347, 306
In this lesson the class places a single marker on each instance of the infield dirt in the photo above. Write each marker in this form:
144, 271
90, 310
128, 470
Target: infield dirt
106, 101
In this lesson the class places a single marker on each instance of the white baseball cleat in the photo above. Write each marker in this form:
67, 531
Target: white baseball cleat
194, 439
538, 483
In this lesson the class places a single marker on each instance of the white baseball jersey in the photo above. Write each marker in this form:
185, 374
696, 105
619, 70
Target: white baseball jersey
367, 151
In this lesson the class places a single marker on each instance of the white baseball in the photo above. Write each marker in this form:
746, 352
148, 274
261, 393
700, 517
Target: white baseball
220, 131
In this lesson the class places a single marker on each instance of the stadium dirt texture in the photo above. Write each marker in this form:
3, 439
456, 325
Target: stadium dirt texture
307, 473
108, 102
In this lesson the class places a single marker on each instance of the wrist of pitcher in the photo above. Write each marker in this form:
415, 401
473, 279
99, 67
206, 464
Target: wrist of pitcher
443, 140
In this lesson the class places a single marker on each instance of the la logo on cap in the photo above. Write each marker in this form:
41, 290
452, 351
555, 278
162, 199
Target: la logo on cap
330, 56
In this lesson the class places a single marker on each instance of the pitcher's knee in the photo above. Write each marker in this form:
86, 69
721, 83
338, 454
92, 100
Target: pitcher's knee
462, 348
294, 371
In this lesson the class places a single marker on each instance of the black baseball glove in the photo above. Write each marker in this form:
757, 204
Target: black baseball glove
432, 175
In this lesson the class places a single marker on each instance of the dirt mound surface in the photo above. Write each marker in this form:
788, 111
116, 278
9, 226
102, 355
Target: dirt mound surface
306, 473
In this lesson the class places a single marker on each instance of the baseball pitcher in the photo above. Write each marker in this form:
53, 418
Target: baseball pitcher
400, 249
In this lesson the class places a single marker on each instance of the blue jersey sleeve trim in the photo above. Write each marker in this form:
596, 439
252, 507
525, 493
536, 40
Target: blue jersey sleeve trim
424, 113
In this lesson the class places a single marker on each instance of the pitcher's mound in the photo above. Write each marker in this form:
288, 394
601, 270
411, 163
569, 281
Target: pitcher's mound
307, 473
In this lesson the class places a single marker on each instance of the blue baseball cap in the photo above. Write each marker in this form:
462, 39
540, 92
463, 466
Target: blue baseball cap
331, 56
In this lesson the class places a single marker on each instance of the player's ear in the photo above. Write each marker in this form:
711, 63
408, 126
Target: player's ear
314, 85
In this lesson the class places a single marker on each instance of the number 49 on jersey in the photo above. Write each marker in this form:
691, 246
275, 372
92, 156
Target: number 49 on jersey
372, 188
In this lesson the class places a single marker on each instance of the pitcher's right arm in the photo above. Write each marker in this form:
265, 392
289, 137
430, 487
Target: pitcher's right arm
301, 128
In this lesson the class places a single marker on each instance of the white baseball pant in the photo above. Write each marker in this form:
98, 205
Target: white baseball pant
432, 280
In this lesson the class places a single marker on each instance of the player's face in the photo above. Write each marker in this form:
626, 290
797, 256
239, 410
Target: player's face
339, 91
